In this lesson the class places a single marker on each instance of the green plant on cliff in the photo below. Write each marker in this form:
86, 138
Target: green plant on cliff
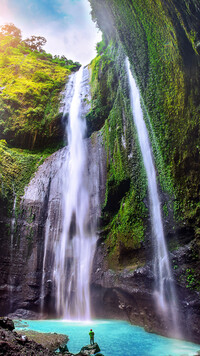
31, 81
161, 39
17, 166
124, 213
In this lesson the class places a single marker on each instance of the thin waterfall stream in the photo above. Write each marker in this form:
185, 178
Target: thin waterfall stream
73, 245
165, 295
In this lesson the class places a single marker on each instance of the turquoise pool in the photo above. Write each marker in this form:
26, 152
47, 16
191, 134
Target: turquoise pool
115, 338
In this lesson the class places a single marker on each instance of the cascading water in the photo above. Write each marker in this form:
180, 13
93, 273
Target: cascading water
74, 240
12, 230
164, 289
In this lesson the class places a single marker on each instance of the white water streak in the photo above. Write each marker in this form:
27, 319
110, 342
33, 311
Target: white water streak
164, 291
75, 248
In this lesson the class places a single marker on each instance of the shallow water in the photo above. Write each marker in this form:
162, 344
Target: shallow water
115, 338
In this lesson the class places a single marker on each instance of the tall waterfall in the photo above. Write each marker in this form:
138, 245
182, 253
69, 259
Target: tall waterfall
165, 295
74, 241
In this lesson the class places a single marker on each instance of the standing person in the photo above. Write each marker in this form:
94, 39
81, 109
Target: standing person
91, 333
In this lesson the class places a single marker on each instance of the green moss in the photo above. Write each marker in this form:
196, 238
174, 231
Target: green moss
161, 39
190, 279
124, 213
17, 166
126, 228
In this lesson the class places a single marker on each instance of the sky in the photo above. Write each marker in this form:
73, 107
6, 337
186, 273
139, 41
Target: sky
66, 24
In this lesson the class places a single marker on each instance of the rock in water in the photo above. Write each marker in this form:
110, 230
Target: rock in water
90, 349
63, 348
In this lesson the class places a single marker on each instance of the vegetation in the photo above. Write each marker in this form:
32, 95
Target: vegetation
31, 81
162, 40
17, 166
124, 212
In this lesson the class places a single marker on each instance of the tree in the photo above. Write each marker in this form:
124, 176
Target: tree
35, 43
11, 30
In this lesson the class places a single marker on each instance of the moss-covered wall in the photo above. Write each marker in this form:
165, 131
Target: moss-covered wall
162, 41
124, 212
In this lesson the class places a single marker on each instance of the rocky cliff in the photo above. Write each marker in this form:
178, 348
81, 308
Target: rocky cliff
161, 40
40, 213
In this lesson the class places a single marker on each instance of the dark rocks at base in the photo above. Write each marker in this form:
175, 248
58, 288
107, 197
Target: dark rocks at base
7, 323
85, 351
89, 350
13, 344
128, 294
63, 349
50, 341
24, 314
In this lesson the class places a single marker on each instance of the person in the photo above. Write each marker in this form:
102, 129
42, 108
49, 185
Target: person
91, 333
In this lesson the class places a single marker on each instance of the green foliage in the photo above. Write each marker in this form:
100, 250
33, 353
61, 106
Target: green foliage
190, 278
35, 43
162, 40
103, 87
124, 212
30, 91
127, 227
17, 166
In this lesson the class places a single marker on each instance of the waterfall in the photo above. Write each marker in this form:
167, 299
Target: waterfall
165, 295
71, 249
12, 231
12, 227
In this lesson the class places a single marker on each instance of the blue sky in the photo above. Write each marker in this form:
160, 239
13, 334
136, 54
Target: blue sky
66, 24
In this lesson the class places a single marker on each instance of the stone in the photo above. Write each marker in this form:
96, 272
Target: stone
12, 344
7, 323
90, 349
63, 348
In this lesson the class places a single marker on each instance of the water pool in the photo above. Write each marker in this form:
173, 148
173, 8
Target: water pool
115, 338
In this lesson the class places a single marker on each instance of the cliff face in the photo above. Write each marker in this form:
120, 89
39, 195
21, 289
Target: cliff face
161, 40
40, 212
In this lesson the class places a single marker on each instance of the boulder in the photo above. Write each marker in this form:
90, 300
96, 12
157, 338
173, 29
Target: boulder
63, 349
7, 323
90, 349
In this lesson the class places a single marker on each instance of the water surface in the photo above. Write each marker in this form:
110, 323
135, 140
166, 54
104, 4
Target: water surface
115, 338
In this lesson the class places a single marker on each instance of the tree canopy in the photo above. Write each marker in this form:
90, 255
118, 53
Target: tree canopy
35, 43
10, 29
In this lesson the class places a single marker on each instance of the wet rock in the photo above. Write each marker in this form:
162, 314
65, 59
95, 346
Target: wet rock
24, 314
89, 350
52, 341
7, 323
41, 209
128, 294
63, 349
12, 344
